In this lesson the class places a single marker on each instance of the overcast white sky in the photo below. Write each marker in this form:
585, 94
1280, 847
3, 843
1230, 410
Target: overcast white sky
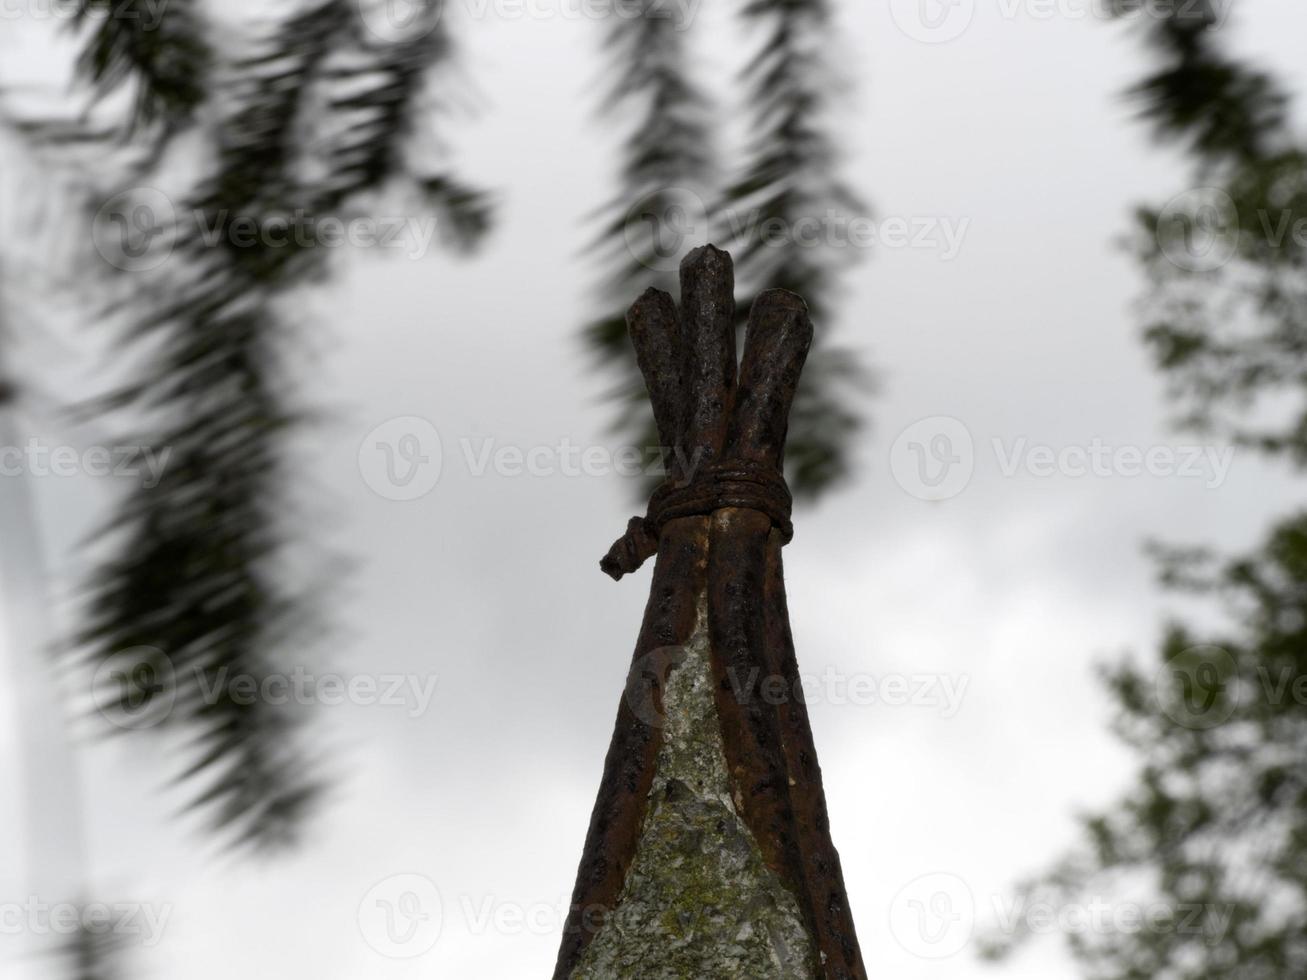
1009, 591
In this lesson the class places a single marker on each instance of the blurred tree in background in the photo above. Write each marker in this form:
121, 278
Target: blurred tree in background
318, 118
675, 195
1215, 827
330, 112
1226, 259
333, 110
322, 115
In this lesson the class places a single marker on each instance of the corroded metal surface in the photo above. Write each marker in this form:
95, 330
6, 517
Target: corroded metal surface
678, 577
717, 528
700, 900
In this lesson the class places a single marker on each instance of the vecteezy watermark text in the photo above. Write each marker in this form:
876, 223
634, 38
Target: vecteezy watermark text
660, 226
137, 688
1202, 229
404, 459
935, 915
1203, 686
140, 228
38, 459
148, 14
403, 916
935, 459
941, 693
680, 12
138, 920
401, 21
941, 21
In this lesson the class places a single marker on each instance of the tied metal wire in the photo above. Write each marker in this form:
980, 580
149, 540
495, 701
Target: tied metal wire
729, 483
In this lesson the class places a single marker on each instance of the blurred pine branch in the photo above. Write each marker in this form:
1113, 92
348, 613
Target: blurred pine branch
320, 121
1213, 830
673, 196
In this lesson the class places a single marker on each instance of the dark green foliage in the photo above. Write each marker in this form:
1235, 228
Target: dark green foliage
94, 956
1225, 324
156, 45
672, 199
667, 172
320, 121
316, 125
789, 176
1221, 108
1215, 828
1231, 338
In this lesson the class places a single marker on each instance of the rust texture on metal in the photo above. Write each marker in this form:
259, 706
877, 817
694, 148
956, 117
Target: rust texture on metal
719, 523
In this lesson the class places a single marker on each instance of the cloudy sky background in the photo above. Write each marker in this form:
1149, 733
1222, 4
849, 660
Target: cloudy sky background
1009, 591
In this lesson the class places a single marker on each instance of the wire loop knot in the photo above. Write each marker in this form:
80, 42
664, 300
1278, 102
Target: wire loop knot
729, 483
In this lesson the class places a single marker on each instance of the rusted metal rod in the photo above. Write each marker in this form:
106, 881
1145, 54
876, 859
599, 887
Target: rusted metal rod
717, 527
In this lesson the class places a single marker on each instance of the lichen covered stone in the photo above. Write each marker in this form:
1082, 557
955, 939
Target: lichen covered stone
699, 901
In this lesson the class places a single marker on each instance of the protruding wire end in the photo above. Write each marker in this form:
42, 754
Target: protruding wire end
631, 550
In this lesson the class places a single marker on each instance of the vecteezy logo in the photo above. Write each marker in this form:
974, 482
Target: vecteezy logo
401, 459
662, 225
1198, 231
1210, 15
1198, 687
135, 688
933, 459
647, 682
135, 230
399, 21
933, 916
933, 21
402, 917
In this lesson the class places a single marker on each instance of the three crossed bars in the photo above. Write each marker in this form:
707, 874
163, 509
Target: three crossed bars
717, 525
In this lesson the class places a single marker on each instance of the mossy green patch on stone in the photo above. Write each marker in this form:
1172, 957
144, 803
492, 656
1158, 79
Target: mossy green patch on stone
699, 901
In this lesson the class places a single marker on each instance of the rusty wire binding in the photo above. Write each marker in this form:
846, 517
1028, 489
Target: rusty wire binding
717, 531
